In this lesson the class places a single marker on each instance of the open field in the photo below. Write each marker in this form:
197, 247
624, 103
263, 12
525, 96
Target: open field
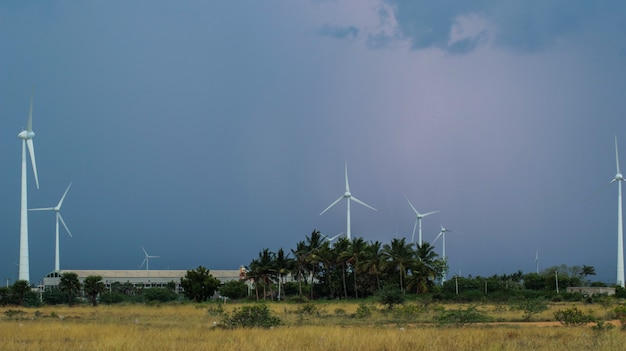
332, 326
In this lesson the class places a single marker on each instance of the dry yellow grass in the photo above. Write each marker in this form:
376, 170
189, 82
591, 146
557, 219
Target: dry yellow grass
189, 327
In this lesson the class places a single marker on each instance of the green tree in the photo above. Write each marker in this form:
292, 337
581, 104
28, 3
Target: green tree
424, 270
70, 285
234, 289
373, 263
282, 266
19, 292
199, 285
399, 256
354, 254
93, 286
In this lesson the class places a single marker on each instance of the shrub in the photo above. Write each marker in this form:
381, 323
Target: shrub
110, 298
308, 309
258, 316
53, 297
363, 311
530, 307
620, 313
573, 317
234, 289
159, 295
462, 316
216, 310
390, 296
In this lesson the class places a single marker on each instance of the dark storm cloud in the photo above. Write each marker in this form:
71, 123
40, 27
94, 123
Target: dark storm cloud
517, 25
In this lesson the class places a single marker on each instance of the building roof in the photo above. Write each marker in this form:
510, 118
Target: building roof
162, 274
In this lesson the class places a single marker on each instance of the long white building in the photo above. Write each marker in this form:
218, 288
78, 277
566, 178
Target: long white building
139, 278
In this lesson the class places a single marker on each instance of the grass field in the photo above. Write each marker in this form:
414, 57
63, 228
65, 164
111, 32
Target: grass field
330, 326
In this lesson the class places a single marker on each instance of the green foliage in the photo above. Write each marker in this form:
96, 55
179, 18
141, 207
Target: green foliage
407, 311
573, 317
110, 298
462, 316
199, 285
308, 309
620, 313
93, 286
234, 289
256, 316
363, 311
14, 314
602, 326
53, 297
70, 285
531, 306
216, 310
19, 292
159, 295
390, 295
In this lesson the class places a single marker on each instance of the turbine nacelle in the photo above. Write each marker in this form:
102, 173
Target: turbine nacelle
618, 177
347, 194
25, 134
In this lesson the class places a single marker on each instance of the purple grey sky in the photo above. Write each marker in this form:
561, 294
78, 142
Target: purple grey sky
207, 131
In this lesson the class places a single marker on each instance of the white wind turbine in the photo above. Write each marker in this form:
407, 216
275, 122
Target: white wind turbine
27, 136
619, 178
348, 196
418, 222
331, 239
146, 260
442, 234
59, 218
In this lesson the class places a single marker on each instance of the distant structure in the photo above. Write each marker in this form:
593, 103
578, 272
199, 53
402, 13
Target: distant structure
138, 278
348, 196
591, 291
418, 222
619, 178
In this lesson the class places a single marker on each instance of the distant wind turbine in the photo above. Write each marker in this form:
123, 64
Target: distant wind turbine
537, 261
619, 178
442, 234
331, 239
146, 260
27, 136
418, 222
59, 218
348, 196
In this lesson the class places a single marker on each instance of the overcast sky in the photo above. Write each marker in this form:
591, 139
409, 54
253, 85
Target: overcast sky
206, 131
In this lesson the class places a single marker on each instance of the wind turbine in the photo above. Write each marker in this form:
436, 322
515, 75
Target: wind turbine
619, 178
146, 260
331, 239
27, 136
537, 260
418, 222
442, 234
348, 196
57, 210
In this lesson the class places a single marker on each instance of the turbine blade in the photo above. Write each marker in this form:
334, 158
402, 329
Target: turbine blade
64, 225
63, 197
410, 204
429, 213
42, 209
31, 150
414, 227
440, 233
331, 205
362, 203
144, 251
143, 262
29, 123
347, 184
616, 155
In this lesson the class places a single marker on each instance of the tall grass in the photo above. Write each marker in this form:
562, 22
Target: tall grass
331, 326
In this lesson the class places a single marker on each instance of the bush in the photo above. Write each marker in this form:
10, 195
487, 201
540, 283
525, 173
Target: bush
462, 316
530, 307
308, 309
110, 298
159, 295
620, 313
258, 316
363, 311
217, 310
390, 296
53, 297
573, 317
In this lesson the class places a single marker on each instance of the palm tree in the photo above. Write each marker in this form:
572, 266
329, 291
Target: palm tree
423, 269
325, 256
342, 245
282, 267
300, 264
353, 255
373, 261
399, 256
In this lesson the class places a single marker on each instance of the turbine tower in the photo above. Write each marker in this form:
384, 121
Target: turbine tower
442, 234
619, 178
537, 261
418, 222
146, 260
57, 210
348, 198
27, 136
